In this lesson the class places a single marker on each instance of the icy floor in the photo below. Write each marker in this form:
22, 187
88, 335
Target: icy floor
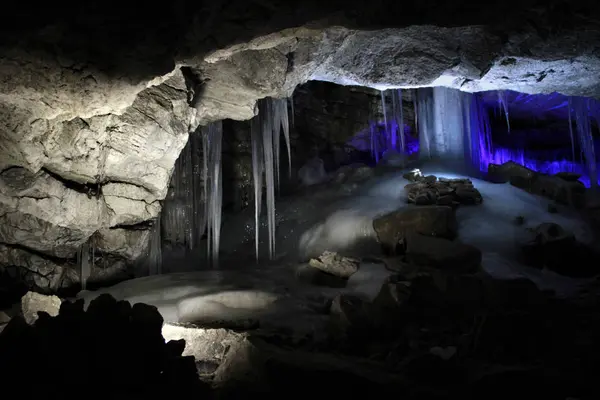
336, 217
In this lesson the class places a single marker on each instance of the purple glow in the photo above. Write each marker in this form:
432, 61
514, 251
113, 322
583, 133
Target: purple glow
484, 152
377, 139
501, 155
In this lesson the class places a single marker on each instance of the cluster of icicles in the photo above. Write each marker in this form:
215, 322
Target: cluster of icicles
197, 185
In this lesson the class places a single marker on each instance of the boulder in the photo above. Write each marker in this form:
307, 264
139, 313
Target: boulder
560, 190
394, 227
335, 264
512, 172
32, 303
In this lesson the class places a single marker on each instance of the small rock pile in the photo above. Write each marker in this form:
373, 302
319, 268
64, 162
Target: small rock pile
431, 190
113, 349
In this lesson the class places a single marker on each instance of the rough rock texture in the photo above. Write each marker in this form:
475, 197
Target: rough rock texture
96, 97
74, 178
33, 302
332, 263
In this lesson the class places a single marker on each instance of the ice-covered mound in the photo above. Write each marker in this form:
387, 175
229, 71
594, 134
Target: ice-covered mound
270, 295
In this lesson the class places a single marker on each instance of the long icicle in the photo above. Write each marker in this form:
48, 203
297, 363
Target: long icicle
571, 129
215, 131
265, 137
257, 175
268, 121
390, 141
285, 123
276, 138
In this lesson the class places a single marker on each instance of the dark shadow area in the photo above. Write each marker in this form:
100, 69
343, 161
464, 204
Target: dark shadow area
113, 350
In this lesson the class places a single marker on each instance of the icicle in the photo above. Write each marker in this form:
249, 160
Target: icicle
398, 114
503, 104
572, 136
83, 260
257, 175
154, 251
268, 151
280, 120
291, 100
424, 110
284, 122
265, 131
212, 147
389, 141
184, 214
583, 124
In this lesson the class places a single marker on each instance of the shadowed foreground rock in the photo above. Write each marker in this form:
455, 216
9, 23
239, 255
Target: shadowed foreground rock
113, 350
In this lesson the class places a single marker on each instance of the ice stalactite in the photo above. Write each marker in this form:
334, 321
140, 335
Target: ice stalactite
183, 214
393, 123
154, 257
583, 125
390, 139
266, 129
212, 139
478, 133
398, 114
280, 113
85, 261
571, 134
503, 105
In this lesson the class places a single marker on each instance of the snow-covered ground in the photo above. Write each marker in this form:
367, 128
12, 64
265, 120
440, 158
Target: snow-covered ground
336, 217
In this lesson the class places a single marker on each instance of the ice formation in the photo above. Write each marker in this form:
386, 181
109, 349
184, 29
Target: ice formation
183, 216
266, 129
193, 207
212, 137
393, 139
503, 105
85, 260
449, 125
581, 111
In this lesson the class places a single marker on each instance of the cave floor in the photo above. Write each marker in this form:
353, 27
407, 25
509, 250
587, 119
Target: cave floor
337, 218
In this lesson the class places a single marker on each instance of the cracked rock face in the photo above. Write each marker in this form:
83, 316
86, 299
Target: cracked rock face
95, 109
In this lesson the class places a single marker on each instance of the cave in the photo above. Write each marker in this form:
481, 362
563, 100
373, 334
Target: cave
243, 197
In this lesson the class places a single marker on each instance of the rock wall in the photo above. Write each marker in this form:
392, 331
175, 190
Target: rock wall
88, 179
